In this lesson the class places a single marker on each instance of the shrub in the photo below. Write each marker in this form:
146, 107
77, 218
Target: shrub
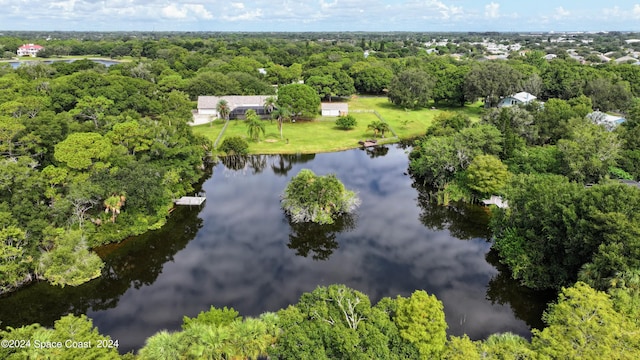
346, 122
235, 145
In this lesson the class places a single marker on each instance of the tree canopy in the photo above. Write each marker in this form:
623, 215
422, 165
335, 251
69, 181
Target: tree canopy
320, 199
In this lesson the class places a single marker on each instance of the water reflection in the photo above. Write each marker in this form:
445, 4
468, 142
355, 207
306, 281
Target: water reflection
237, 251
377, 151
464, 221
282, 164
134, 263
318, 239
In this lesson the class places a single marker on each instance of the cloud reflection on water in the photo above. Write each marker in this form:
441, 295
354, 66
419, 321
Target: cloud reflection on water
240, 257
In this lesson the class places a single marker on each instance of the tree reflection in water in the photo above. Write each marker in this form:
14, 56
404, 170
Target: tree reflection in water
284, 163
134, 262
376, 151
503, 289
318, 239
464, 221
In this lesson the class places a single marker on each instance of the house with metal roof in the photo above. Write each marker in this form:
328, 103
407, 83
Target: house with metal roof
521, 98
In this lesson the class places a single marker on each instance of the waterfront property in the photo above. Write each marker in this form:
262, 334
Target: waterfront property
238, 106
29, 50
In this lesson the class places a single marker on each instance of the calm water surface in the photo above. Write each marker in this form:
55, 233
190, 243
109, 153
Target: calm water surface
17, 64
239, 250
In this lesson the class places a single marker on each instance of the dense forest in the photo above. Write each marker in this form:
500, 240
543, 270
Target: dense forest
92, 155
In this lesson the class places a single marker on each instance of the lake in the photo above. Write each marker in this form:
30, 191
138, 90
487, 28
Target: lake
17, 64
239, 250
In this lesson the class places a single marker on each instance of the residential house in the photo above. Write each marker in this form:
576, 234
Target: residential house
334, 109
29, 50
521, 98
238, 106
610, 122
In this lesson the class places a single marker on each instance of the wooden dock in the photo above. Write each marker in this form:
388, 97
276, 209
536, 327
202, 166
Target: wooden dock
190, 200
368, 143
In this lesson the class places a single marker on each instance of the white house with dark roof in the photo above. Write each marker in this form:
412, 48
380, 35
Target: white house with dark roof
521, 98
238, 105
29, 50
334, 109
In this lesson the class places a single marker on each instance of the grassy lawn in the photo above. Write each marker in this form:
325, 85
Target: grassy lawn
322, 135
304, 137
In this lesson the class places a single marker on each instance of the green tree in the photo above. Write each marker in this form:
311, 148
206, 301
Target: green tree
302, 100
487, 175
92, 109
378, 127
113, 204
223, 109
372, 78
420, 320
14, 263
281, 115
589, 151
79, 150
584, 325
507, 346
234, 145
490, 81
269, 104
411, 88
255, 126
448, 123
70, 262
309, 197
346, 122
9, 129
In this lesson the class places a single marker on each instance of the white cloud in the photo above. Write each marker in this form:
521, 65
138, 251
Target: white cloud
326, 5
172, 12
197, 11
445, 10
237, 5
492, 10
249, 15
636, 10
561, 13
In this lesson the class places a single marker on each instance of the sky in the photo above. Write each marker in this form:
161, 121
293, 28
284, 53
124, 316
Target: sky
320, 15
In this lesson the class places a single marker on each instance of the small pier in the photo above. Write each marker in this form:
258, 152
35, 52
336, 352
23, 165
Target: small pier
190, 200
368, 143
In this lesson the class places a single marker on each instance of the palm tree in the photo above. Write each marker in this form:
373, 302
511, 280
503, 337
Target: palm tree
113, 204
374, 126
383, 127
255, 126
269, 104
378, 127
223, 109
281, 114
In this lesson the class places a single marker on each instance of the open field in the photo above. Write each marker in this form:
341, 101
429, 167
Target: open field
322, 135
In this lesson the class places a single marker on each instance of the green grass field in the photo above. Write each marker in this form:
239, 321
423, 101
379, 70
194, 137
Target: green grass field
322, 135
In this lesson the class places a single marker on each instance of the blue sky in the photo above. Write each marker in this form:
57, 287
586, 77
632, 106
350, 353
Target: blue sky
320, 15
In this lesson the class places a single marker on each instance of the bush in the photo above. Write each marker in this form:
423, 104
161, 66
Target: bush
235, 145
346, 122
